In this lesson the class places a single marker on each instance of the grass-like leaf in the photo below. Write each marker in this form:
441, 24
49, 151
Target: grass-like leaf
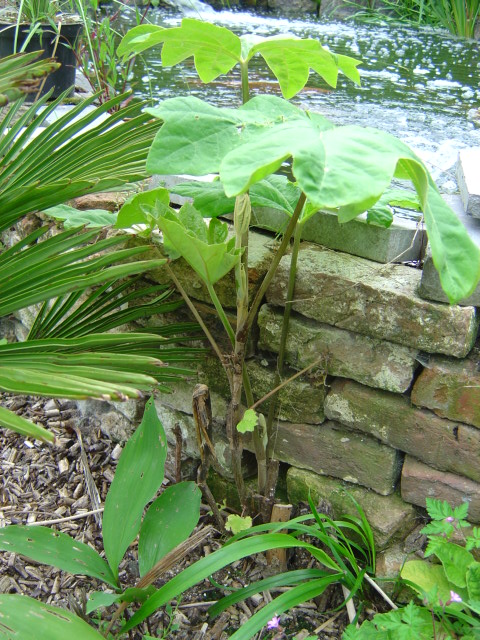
205, 567
20, 615
138, 476
10, 420
47, 546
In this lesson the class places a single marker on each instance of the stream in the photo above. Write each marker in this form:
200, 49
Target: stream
418, 84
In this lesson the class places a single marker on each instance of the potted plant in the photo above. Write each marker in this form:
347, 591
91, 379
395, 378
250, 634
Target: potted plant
33, 25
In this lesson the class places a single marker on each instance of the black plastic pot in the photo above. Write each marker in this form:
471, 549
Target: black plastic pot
44, 39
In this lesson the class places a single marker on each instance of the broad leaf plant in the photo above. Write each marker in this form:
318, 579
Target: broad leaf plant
345, 169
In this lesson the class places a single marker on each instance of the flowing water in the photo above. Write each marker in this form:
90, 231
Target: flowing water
417, 84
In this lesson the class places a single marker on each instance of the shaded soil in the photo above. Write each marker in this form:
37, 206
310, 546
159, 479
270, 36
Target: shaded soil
62, 484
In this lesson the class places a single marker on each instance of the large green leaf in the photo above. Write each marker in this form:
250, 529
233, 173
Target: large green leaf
10, 420
208, 565
291, 60
217, 50
345, 168
427, 576
143, 208
73, 218
170, 519
275, 192
56, 549
23, 618
138, 476
211, 260
455, 560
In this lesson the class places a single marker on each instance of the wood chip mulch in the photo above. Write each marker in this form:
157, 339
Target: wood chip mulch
64, 487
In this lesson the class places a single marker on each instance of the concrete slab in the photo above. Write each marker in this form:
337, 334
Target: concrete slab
430, 287
403, 241
468, 177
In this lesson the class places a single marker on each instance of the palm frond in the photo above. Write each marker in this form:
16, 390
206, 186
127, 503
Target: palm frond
84, 151
21, 73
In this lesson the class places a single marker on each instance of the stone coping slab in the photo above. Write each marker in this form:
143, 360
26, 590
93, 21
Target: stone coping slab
376, 363
403, 241
390, 517
420, 481
440, 443
430, 287
380, 301
468, 178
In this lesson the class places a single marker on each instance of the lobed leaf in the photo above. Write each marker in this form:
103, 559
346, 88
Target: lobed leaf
209, 261
345, 168
291, 59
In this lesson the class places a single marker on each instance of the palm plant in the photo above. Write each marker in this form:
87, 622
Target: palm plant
69, 352
21, 73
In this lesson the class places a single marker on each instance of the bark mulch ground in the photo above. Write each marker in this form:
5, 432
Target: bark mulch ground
62, 485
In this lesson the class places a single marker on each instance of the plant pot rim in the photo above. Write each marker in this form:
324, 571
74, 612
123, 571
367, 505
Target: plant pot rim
67, 19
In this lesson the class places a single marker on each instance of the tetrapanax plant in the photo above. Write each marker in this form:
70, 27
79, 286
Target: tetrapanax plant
344, 169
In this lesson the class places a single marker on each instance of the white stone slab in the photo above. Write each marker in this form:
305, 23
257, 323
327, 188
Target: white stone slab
430, 287
468, 177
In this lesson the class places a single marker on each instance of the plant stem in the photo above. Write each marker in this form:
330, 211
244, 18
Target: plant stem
221, 313
245, 85
198, 318
275, 262
283, 338
235, 368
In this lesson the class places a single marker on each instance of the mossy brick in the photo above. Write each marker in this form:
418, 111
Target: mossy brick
380, 301
260, 251
298, 400
450, 387
390, 517
376, 363
419, 482
440, 443
330, 449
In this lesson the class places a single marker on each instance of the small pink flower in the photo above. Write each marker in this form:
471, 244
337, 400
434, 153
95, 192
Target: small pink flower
454, 597
449, 519
274, 623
